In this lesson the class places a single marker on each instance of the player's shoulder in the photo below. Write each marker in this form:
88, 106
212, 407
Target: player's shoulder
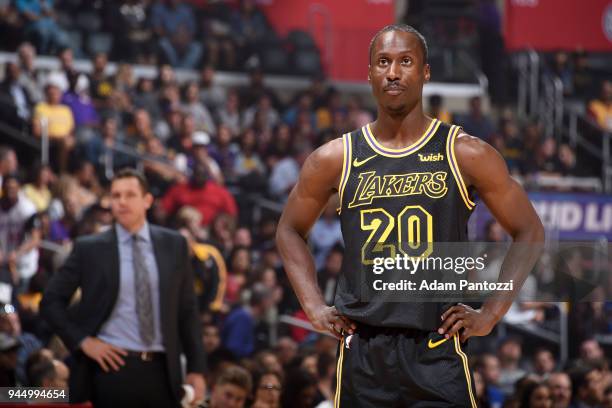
328, 155
471, 148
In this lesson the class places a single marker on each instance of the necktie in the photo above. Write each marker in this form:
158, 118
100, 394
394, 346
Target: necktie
142, 287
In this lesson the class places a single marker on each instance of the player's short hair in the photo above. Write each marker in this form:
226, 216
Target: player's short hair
406, 29
237, 376
132, 173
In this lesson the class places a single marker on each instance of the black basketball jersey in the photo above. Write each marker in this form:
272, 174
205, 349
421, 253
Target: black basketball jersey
396, 201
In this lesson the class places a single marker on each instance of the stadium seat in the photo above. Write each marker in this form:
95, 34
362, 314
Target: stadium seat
274, 60
75, 42
88, 22
99, 42
301, 40
307, 62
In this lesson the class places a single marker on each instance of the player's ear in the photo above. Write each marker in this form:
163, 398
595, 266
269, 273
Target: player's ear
369, 78
427, 72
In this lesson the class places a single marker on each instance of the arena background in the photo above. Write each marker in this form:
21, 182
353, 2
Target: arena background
248, 89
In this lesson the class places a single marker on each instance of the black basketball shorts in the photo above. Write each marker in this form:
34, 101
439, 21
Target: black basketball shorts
392, 367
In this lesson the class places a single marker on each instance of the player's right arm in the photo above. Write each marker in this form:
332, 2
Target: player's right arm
318, 180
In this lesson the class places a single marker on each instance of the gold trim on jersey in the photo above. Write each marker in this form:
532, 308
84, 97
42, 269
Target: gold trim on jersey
466, 369
347, 156
339, 375
405, 151
454, 166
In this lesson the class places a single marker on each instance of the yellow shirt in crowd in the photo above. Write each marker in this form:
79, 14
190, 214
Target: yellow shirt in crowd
59, 118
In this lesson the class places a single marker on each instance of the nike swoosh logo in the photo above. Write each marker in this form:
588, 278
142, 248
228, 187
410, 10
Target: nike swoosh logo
434, 344
357, 163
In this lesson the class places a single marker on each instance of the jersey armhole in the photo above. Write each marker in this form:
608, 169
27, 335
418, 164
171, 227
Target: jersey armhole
454, 166
347, 153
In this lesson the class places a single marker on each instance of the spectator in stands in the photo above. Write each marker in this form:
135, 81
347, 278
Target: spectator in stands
239, 273
174, 24
160, 170
100, 150
536, 395
38, 190
608, 397
325, 233
546, 160
50, 374
198, 154
268, 388
83, 110
476, 123
145, 97
212, 95
15, 210
175, 127
210, 273
488, 366
329, 274
14, 99
561, 68
357, 116
209, 198
8, 163
67, 72
543, 362
9, 345
249, 27
300, 389
513, 149
229, 113
59, 123
141, 129
561, 389
285, 172
583, 77
223, 151
591, 351
587, 386
232, 388
40, 25
100, 84
264, 111
326, 372
193, 106
238, 332
437, 110
250, 94
130, 23
601, 109
10, 324
567, 161
28, 77
247, 164
509, 353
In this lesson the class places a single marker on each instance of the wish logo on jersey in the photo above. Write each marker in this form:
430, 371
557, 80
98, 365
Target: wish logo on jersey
372, 185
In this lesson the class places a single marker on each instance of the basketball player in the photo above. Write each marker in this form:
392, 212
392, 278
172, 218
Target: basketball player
402, 354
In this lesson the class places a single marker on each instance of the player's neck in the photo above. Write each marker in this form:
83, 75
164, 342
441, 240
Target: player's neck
400, 131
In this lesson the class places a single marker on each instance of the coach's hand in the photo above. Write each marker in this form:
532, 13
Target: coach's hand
328, 319
106, 355
473, 322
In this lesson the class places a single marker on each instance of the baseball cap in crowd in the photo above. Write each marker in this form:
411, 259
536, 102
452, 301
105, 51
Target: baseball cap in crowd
8, 342
200, 138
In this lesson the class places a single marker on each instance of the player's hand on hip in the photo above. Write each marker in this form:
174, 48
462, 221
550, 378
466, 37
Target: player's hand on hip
106, 355
466, 321
328, 319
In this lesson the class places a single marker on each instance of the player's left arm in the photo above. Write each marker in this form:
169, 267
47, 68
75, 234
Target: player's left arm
483, 168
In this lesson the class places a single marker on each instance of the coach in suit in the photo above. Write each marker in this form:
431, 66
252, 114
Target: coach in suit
137, 309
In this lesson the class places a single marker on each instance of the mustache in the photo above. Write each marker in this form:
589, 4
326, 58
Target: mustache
393, 86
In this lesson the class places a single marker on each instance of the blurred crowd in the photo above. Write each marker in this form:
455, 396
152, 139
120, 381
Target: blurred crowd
220, 163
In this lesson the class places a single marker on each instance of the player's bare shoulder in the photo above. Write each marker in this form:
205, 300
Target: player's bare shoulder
476, 158
324, 165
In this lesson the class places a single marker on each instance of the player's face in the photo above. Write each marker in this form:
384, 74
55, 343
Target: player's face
397, 71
